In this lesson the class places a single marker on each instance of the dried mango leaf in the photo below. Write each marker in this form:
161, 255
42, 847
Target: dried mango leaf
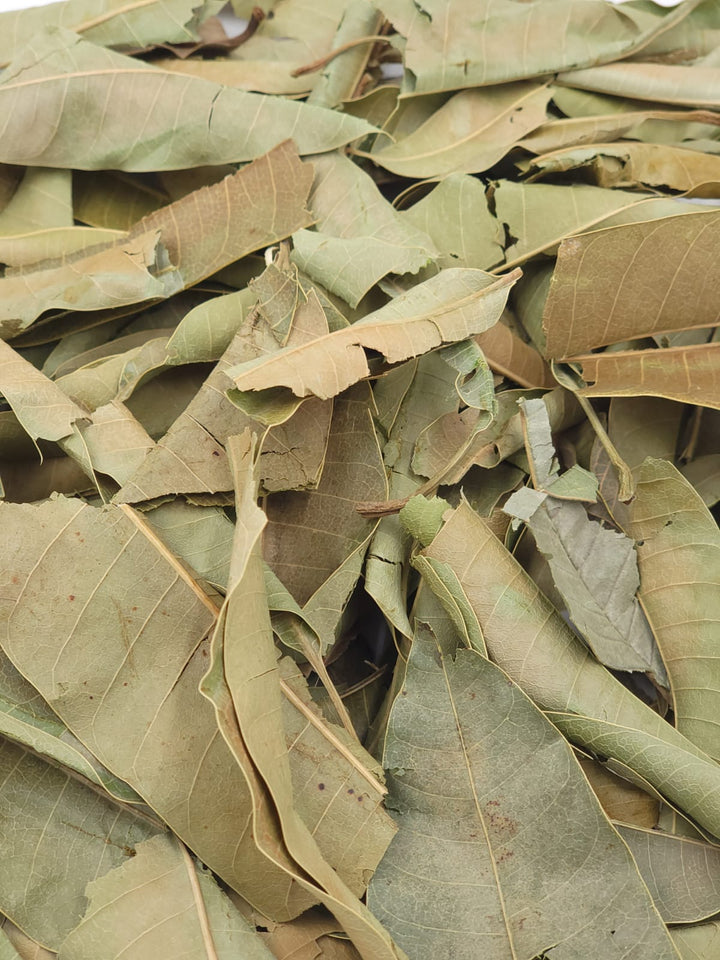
456, 217
246, 660
430, 394
315, 540
450, 44
160, 905
607, 287
190, 458
596, 571
61, 89
133, 270
26, 719
704, 474
339, 78
606, 128
594, 568
124, 702
359, 237
646, 427
678, 546
25, 250
530, 641
199, 536
654, 761
110, 23
212, 227
487, 798
468, 134
43, 200
684, 374
628, 165
451, 306
58, 835
539, 215
695, 86
683, 875
511, 357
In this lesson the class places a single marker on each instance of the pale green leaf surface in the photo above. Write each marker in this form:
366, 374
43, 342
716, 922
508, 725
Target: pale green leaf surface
161, 905
704, 474
206, 331
43, 200
678, 547
137, 117
685, 778
456, 217
699, 942
667, 83
683, 875
641, 427
451, 306
26, 719
596, 571
469, 133
200, 536
359, 237
539, 215
498, 828
57, 835
452, 44
112, 23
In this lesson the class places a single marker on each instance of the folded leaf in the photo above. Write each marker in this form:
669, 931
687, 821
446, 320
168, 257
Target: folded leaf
678, 546
244, 668
131, 271
628, 165
684, 374
469, 133
530, 641
498, 828
451, 306
61, 89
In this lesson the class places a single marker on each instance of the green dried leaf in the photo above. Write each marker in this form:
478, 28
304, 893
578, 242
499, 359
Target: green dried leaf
136, 117
487, 798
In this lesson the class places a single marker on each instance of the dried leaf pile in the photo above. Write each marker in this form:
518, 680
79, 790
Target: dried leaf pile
360, 463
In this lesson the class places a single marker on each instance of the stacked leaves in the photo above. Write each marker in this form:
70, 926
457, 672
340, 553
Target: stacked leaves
360, 461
